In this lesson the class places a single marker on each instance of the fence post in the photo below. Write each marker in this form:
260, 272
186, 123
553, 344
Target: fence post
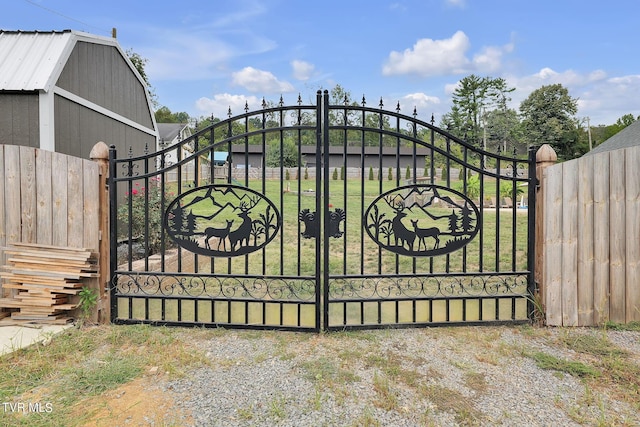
545, 157
100, 154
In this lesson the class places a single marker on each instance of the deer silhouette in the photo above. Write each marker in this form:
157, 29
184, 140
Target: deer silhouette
423, 233
220, 233
400, 231
241, 234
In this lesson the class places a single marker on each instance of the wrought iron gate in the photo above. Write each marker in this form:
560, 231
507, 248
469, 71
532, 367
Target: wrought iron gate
311, 217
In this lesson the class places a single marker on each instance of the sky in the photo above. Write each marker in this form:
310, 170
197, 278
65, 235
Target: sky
206, 56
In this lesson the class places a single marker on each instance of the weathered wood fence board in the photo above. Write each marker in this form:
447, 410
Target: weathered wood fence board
553, 244
632, 202
591, 239
601, 236
585, 228
48, 198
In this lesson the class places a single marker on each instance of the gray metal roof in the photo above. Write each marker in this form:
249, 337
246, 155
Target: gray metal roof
33, 60
169, 131
627, 137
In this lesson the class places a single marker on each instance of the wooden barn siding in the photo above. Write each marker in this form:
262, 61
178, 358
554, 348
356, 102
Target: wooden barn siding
591, 232
47, 198
106, 80
83, 124
19, 119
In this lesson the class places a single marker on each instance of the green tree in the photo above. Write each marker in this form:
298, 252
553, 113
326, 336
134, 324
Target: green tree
335, 174
287, 157
407, 175
140, 63
601, 133
503, 128
370, 173
473, 96
164, 115
548, 116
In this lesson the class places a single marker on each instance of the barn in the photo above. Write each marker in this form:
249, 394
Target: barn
65, 90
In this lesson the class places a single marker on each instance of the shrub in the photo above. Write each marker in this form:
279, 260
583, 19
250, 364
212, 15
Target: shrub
370, 173
287, 175
473, 187
141, 214
306, 173
407, 175
390, 177
445, 173
335, 174
342, 173
506, 189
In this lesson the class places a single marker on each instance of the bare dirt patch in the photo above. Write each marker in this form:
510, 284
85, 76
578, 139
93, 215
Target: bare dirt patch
138, 403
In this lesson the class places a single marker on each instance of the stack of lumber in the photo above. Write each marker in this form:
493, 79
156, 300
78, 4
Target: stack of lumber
45, 277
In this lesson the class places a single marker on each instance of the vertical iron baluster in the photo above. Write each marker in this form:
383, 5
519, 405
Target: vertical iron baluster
362, 172
322, 142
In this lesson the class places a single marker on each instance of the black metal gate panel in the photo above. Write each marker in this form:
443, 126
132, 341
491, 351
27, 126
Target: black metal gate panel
311, 217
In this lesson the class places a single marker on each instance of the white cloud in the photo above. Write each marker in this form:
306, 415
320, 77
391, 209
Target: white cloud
490, 58
261, 81
418, 100
607, 100
186, 57
302, 70
430, 57
601, 98
220, 104
548, 76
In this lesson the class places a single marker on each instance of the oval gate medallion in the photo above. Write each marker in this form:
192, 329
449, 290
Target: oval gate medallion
222, 220
421, 220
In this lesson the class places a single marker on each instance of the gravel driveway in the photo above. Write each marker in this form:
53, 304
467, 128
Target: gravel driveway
436, 376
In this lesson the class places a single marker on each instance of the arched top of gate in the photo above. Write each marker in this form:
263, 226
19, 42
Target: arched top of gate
346, 116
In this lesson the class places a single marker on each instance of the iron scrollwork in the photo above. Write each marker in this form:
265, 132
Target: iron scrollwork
222, 220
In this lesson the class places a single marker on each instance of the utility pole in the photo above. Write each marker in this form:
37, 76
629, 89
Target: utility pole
589, 133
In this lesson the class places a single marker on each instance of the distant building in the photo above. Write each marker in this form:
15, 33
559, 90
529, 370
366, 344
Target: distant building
372, 156
170, 135
65, 90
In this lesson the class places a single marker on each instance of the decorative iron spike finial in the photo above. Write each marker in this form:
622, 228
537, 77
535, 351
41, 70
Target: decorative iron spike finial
381, 105
281, 103
229, 112
246, 106
398, 107
264, 103
346, 100
146, 148
299, 99
433, 119
415, 112
364, 102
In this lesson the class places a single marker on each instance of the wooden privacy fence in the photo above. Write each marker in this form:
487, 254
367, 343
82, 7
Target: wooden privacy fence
51, 199
590, 239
